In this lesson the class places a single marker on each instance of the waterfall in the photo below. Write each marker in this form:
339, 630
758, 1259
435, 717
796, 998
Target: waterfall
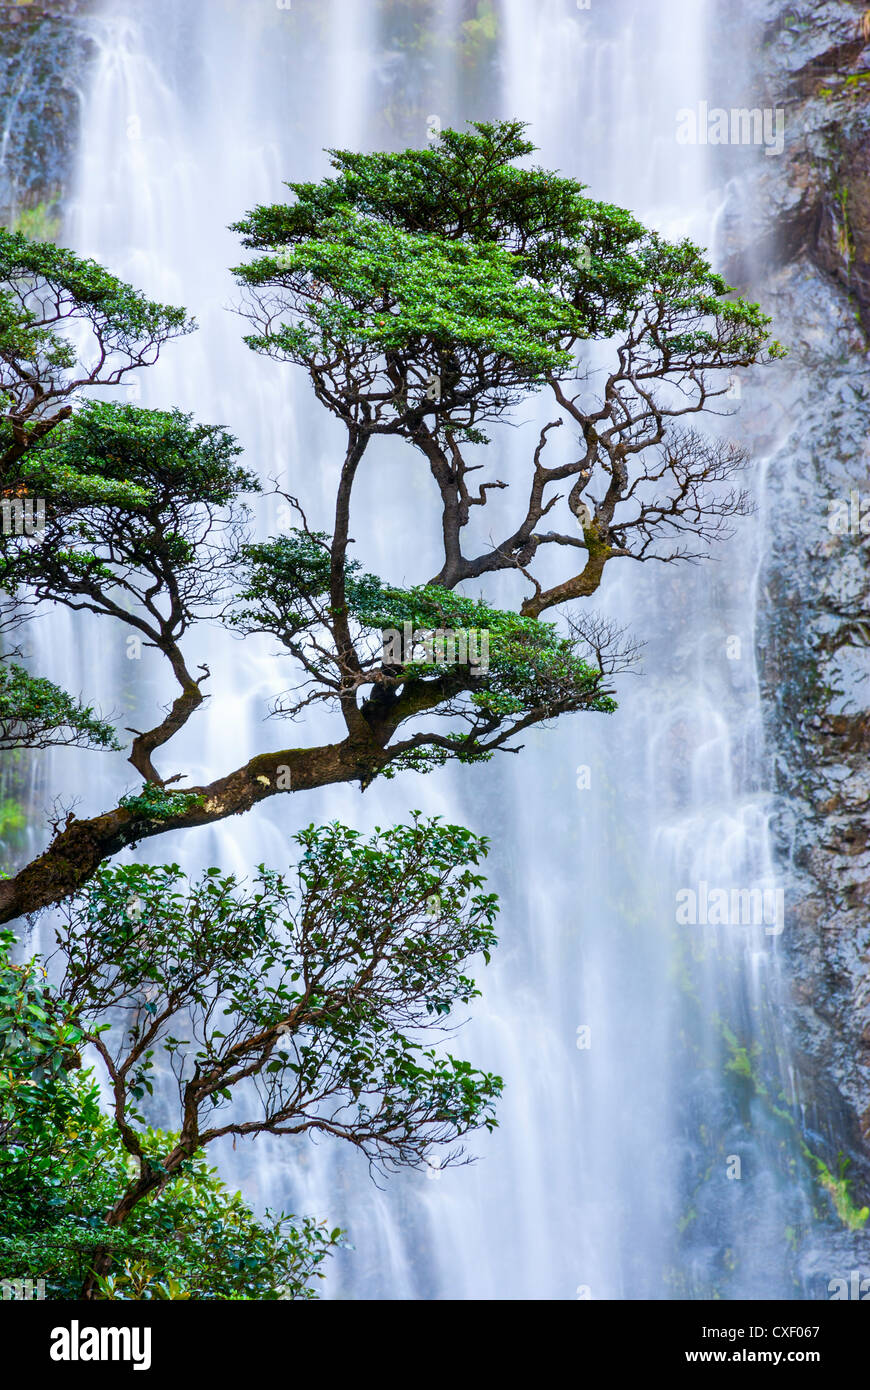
612, 1174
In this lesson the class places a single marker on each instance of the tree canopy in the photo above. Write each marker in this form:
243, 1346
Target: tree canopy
66, 324
425, 295
64, 1167
314, 1005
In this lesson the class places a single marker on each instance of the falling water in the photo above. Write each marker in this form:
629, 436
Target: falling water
608, 1176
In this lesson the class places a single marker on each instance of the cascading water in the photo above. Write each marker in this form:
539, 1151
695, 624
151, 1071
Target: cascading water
612, 1172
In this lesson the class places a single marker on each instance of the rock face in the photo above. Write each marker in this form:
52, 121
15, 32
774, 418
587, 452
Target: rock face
43, 49
798, 238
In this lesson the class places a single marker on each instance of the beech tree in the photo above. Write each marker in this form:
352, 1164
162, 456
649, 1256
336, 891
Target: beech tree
64, 1168
310, 1004
425, 294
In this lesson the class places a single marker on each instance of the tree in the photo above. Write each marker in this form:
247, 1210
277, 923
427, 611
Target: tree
310, 1007
49, 298
425, 294
64, 1167
34, 713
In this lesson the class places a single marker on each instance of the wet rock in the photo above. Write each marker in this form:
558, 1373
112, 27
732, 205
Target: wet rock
44, 49
797, 236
